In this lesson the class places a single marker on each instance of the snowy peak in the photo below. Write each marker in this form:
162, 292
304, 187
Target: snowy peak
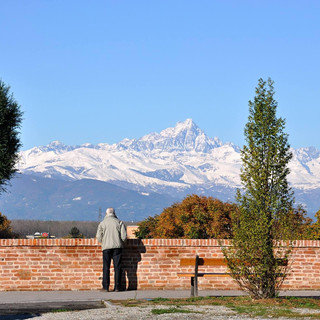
185, 136
188, 127
182, 157
307, 154
55, 147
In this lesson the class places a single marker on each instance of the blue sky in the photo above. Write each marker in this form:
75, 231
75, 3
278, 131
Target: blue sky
100, 71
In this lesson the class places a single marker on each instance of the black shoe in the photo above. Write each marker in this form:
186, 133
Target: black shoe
104, 290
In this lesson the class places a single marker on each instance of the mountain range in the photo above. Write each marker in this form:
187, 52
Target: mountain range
139, 177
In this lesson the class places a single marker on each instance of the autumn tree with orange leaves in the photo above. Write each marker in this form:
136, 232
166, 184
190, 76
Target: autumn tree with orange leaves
196, 217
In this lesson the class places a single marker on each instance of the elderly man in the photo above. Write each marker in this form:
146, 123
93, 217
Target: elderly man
111, 234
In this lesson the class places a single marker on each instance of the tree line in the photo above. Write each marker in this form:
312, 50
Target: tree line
201, 217
59, 229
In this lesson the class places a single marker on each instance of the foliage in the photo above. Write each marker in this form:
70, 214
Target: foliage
146, 228
10, 121
264, 202
313, 230
299, 224
196, 217
5, 228
303, 227
75, 233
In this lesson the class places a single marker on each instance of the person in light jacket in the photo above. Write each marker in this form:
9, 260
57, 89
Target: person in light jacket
112, 235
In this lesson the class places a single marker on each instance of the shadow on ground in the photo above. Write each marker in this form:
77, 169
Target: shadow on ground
17, 311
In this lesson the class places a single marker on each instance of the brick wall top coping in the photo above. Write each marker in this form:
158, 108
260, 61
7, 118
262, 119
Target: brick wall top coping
135, 242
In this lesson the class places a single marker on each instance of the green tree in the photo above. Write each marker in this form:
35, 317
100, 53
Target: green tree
300, 224
264, 202
5, 228
313, 230
10, 122
75, 233
146, 228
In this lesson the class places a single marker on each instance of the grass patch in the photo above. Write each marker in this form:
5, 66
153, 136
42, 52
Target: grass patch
303, 302
275, 312
130, 303
253, 310
262, 311
159, 300
171, 310
195, 299
278, 307
290, 302
60, 310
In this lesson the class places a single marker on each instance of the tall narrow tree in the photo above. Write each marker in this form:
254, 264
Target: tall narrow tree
265, 200
10, 122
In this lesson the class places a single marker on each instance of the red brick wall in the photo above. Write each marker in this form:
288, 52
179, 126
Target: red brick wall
76, 264
55, 264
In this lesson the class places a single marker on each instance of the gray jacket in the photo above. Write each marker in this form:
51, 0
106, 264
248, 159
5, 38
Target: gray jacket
111, 233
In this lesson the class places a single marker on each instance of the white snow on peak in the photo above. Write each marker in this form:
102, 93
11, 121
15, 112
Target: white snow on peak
87, 145
179, 157
185, 136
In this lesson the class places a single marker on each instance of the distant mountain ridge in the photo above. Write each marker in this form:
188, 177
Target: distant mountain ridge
175, 162
183, 151
176, 158
34, 197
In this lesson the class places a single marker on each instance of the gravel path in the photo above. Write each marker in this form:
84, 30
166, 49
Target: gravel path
137, 313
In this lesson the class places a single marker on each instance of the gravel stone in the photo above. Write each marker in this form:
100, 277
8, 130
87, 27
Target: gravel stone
137, 313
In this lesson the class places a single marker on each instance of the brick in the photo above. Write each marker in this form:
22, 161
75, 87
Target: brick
76, 264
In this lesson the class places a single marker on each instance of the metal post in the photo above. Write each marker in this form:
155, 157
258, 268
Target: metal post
196, 276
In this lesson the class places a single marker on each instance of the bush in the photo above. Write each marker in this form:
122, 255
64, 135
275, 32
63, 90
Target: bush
75, 234
5, 228
196, 217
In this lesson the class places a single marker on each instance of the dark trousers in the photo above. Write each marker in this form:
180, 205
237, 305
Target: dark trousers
116, 256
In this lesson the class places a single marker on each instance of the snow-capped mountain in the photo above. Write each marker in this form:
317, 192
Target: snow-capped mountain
175, 162
176, 158
180, 157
